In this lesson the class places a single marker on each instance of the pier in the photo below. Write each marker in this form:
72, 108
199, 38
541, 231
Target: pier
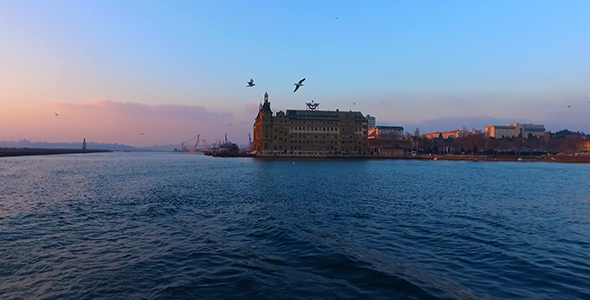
11, 152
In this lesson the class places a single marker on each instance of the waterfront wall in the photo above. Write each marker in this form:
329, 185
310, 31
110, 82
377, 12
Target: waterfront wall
474, 158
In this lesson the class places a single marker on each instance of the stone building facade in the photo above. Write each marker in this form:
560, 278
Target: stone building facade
309, 131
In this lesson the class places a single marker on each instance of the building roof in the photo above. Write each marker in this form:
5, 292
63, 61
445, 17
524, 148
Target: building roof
390, 127
502, 126
324, 115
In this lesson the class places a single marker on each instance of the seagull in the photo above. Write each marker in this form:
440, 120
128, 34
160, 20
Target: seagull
569, 106
141, 133
298, 84
250, 83
58, 114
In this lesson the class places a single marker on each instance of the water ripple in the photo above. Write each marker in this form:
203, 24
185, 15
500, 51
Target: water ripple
174, 226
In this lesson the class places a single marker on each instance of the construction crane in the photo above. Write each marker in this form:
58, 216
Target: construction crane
185, 149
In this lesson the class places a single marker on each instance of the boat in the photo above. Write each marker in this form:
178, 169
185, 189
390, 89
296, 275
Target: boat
229, 149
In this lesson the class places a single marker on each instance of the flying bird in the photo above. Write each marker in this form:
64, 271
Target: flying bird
569, 106
250, 83
141, 133
58, 114
298, 84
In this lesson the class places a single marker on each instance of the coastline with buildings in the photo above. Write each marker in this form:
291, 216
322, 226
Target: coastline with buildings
314, 133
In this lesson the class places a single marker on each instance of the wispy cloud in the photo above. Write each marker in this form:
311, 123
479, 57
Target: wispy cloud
130, 123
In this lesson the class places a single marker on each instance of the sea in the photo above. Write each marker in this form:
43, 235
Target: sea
132, 225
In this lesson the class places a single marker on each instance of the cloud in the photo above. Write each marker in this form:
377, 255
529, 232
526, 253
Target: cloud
129, 123
452, 123
252, 108
152, 111
572, 120
441, 112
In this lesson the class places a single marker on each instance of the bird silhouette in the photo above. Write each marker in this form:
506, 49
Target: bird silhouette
56, 114
250, 83
298, 84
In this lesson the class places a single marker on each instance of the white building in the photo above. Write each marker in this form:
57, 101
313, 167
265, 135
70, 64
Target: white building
515, 130
536, 130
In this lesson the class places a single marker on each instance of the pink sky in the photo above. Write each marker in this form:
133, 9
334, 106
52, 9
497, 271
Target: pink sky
118, 122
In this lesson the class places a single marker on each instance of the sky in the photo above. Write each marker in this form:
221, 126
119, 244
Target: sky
160, 72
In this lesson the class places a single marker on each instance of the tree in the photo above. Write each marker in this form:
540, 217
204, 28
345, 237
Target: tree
546, 137
494, 144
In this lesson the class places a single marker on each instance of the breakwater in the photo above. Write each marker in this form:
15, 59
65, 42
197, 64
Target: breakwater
7, 152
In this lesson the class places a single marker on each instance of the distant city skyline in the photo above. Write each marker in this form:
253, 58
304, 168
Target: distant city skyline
112, 70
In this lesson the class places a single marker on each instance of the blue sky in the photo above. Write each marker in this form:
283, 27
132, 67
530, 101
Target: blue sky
405, 62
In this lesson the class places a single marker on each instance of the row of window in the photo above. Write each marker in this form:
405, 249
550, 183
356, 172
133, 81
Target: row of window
346, 137
302, 136
321, 142
305, 128
310, 122
328, 148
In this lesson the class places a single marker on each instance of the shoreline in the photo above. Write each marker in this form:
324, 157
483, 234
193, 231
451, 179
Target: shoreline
470, 158
15, 152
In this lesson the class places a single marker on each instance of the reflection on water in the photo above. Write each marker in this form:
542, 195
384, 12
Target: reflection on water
186, 226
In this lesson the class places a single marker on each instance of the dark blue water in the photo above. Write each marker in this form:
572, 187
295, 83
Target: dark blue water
184, 226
